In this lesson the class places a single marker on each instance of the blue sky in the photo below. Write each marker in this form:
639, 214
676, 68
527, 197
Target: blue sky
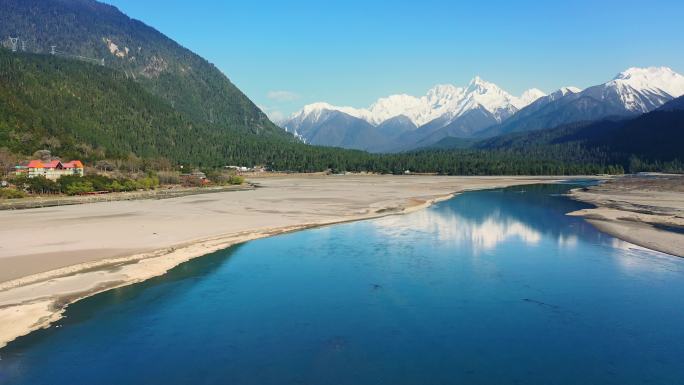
284, 54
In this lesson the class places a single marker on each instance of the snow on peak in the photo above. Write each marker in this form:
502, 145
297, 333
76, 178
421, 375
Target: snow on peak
442, 100
652, 79
501, 104
528, 97
562, 92
394, 105
642, 89
477, 81
569, 90
315, 111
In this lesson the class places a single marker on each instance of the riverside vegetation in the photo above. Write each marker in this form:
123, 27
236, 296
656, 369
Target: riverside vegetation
77, 185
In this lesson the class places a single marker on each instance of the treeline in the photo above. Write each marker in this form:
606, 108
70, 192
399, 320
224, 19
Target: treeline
76, 185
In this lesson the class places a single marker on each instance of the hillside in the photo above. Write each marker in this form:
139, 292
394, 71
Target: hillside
673, 105
91, 29
654, 138
78, 109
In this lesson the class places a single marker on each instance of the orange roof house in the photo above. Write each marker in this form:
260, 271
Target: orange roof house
35, 164
52, 170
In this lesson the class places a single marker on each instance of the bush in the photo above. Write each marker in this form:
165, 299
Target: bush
73, 185
79, 188
10, 193
236, 180
147, 183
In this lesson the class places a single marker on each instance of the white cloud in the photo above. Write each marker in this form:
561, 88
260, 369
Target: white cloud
274, 114
282, 96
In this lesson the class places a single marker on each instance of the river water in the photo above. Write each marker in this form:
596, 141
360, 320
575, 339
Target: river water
491, 287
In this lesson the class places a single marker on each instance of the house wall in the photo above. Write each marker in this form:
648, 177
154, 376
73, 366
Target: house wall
54, 174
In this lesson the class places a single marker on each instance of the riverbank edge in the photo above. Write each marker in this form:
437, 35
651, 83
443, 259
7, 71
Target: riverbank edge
33, 310
625, 225
160, 193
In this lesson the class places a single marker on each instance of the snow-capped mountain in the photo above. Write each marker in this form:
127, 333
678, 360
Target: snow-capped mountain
439, 100
641, 88
632, 92
439, 107
480, 109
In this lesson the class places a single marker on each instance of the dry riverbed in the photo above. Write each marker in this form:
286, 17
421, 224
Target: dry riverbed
52, 257
647, 210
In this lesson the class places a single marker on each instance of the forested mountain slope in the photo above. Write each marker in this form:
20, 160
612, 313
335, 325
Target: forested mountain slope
654, 137
87, 28
78, 109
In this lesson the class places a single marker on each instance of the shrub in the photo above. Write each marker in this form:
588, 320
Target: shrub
78, 188
10, 193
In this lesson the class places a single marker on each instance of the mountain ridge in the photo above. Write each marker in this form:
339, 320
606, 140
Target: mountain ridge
482, 109
87, 28
630, 93
441, 106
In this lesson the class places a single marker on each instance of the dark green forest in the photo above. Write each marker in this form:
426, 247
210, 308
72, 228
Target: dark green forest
183, 79
650, 142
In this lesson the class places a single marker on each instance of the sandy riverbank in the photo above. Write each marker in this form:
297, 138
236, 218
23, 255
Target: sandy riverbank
51, 257
639, 210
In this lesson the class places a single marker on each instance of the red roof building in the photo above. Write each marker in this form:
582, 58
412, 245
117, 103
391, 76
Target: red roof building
52, 170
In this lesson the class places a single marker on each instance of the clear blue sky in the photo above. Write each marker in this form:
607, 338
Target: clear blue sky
284, 54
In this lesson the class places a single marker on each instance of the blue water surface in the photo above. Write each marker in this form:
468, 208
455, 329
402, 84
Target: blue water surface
491, 287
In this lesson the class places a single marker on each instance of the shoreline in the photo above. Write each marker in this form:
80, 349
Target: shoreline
27, 307
160, 193
633, 208
35, 301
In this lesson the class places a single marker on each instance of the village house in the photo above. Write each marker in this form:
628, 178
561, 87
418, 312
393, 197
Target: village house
52, 170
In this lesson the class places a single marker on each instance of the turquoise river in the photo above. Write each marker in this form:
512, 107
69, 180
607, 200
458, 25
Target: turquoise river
491, 287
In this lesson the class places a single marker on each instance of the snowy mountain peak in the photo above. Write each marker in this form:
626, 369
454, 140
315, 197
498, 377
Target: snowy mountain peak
645, 73
481, 86
569, 90
651, 79
316, 107
442, 93
563, 91
444, 101
528, 97
483, 94
313, 111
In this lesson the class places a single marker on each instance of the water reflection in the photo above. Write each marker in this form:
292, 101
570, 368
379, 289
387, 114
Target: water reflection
483, 221
480, 234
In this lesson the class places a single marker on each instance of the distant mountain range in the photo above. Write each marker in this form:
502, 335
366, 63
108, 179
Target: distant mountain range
396, 121
480, 110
